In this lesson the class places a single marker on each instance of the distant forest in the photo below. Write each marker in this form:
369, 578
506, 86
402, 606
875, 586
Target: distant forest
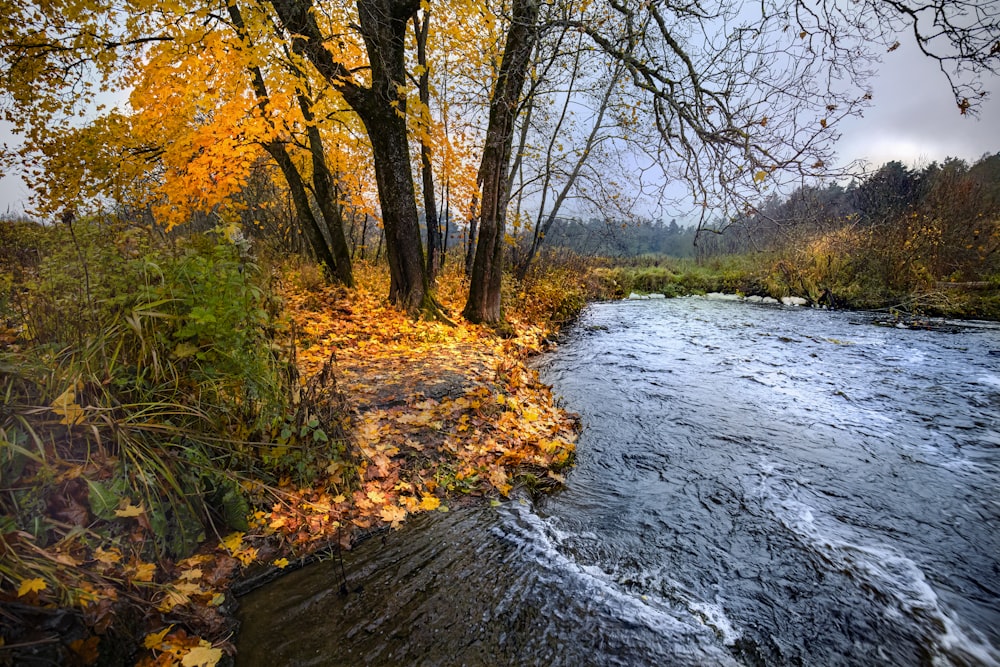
951, 200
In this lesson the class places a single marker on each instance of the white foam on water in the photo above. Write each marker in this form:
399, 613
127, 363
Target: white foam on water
989, 380
712, 615
540, 538
885, 569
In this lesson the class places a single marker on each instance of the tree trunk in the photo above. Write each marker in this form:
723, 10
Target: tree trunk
421, 28
383, 111
326, 197
483, 304
300, 199
381, 108
470, 246
364, 235
336, 266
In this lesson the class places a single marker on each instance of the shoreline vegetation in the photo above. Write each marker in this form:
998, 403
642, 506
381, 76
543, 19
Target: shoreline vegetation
776, 275
183, 417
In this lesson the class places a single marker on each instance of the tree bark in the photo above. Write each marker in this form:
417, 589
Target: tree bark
382, 109
470, 246
483, 304
434, 248
327, 198
336, 264
300, 200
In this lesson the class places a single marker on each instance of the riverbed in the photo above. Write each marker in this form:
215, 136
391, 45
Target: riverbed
755, 485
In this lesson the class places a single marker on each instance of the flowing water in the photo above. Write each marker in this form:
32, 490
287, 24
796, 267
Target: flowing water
754, 486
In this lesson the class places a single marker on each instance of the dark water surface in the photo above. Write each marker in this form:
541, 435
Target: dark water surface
754, 486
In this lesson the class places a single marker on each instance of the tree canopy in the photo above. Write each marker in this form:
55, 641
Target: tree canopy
348, 101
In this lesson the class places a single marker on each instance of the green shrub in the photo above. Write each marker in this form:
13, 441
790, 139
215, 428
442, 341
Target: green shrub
150, 373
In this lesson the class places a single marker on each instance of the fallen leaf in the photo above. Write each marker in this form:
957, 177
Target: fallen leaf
154, 640
203, 655
31, 586
143, 572
65, 405
428, 503
130, 510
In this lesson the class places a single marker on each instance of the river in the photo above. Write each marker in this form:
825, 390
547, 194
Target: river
754, 486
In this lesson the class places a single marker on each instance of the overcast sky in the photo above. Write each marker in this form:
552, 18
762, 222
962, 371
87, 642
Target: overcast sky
913, 119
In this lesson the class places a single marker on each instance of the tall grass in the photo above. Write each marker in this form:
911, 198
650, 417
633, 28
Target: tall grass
142, 380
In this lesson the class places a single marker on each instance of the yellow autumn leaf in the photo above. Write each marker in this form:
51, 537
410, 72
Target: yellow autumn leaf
428, 503
247, 555
233, 541
154, 640
759, 176
393, 514
280, 563
188, 588
498, 478
143, 572
172, 599
203, 655
130, 510
31, 586
64, 559
108, 557
65, 406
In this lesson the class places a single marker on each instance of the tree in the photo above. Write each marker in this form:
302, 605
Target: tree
421, 29
736, 101
382, 109
334, 255
483, 304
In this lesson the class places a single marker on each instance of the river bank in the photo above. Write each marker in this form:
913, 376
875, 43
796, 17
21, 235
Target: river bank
358, 418
781, 275
386, 417
753, 485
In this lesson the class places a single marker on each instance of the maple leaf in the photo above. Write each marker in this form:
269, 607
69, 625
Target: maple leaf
393, 515
143, 572
31, 586
280, 563
246, 555
233, 541
154, 640
171, 599
108, 557
65, 405
203, 655
498, 478
428, 503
